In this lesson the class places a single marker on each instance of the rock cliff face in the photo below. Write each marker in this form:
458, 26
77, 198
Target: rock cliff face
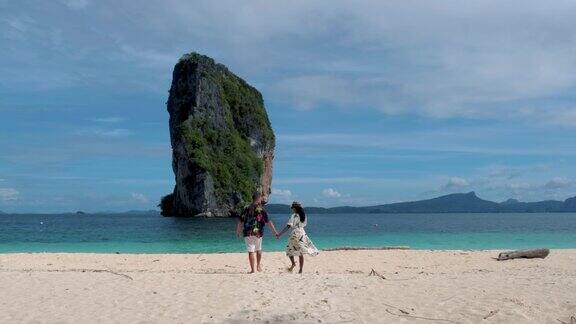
222, 141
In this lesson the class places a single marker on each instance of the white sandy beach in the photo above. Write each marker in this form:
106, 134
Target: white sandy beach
417, 286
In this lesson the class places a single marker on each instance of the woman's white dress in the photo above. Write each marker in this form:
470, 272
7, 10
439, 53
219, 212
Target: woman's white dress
299, 243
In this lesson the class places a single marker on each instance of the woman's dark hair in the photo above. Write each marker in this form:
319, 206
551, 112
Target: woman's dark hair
300, 212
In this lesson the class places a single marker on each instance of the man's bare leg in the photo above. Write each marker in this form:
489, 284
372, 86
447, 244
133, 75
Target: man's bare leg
251, 259
258, 259
290, 268
301, 261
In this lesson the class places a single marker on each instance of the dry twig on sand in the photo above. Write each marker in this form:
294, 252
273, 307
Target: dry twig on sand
572, 320
112, 272
492, 313
351, 248
406, 314
374, 273
30, 271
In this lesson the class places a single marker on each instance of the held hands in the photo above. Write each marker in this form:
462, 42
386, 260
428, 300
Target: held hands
277, 235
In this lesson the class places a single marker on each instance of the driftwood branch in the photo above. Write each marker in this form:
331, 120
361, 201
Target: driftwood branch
527, 254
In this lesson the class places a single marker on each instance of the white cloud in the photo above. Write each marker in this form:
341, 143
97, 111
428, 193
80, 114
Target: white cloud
103, 132
109, 120
282, 192
445, 65
17, 27
502, 171
76, 4
119, 132
310, 91
148, 57
139, 198
455, 184
9, 194
282, 196
558, 183
492, 140
480, 59
327, 180
560, 115
517, 186
331, 193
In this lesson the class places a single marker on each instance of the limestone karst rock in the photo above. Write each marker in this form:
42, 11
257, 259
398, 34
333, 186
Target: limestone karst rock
222, 141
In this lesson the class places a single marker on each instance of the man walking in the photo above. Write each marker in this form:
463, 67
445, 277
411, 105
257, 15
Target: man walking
251, 223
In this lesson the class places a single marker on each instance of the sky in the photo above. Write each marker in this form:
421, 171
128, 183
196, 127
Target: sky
371, 101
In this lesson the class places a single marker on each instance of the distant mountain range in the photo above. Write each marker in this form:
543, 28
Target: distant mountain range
453, 203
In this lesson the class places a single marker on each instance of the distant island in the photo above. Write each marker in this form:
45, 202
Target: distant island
221, 137
452, 203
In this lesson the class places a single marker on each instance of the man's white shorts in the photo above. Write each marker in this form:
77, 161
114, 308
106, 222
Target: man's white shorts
253, 243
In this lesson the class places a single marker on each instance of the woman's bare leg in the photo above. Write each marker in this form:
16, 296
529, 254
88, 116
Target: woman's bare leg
258, 259
293, 263
301, 261
252, 261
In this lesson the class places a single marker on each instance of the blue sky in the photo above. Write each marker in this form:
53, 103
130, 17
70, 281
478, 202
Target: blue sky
371, 101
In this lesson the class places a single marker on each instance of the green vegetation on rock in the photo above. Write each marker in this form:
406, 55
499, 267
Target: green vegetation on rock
243, 100
226, 156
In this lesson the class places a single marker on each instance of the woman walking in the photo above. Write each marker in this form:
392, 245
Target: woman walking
299, 243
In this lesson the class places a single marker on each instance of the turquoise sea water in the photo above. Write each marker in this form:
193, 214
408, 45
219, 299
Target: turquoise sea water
149, 233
